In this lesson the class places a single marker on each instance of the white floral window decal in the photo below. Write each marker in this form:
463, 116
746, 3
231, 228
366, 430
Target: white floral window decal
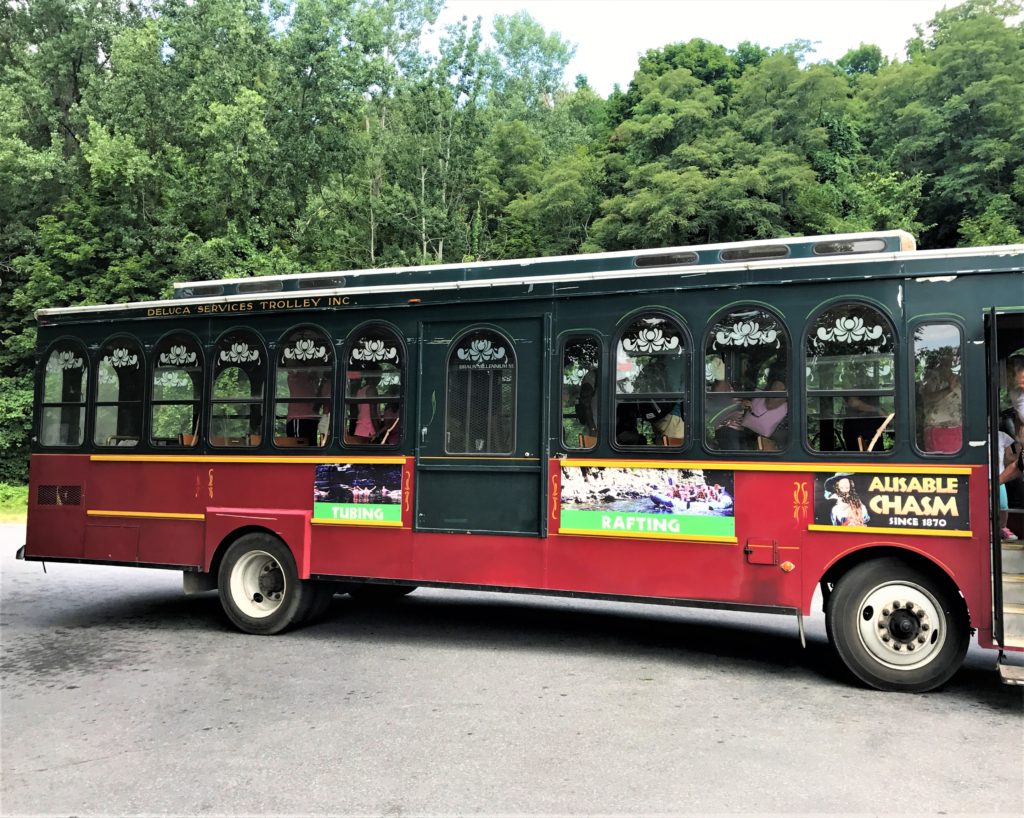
239, 353
63, 360
481, 350
650, 339
305, 349
120, 358
178, 355
850, 329
375, 350
747, 333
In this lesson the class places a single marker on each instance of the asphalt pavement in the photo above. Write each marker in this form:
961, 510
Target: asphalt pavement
122, 696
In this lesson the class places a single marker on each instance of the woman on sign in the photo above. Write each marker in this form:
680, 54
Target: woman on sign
848, 510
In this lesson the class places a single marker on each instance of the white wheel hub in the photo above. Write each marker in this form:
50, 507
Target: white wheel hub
258, 586
901, 625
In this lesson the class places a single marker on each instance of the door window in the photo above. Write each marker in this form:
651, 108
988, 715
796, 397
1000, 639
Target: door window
481, 407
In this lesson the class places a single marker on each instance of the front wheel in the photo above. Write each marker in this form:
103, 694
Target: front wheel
896, 627
259, 586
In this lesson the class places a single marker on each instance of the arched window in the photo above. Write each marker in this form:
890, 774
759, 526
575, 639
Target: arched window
746, 382
239, 380
65, 381
374, 398
302, 389
120, 379
481, 408
176, 391
650, 383
851, 371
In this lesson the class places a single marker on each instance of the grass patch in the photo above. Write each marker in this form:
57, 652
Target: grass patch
13, 503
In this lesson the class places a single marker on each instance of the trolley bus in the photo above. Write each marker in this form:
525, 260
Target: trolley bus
725, 426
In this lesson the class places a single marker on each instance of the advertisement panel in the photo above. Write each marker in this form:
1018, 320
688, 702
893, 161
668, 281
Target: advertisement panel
669, 503
358, 493
927, 503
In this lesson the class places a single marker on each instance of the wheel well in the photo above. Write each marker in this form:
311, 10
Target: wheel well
229, 540
923, 564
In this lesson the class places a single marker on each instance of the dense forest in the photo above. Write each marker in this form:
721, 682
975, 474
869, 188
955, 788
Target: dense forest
159, 140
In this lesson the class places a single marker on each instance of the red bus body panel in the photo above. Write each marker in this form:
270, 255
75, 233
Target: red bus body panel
178, 511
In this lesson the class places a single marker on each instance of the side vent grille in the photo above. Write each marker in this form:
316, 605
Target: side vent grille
59, 496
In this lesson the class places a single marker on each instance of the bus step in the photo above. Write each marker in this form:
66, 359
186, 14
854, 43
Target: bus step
1013, 557
1013, 589
1013, 626
1010, 674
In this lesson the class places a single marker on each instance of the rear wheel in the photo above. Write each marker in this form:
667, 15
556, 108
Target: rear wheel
259, 586
896, 627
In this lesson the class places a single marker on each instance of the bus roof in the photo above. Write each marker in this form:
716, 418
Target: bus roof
846, 255
795, 247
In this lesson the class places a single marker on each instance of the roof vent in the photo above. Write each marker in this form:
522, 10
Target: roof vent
665, 260
755, 253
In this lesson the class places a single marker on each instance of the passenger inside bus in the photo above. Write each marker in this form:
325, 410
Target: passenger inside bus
942, 408
756, 423
303, 415
861, 421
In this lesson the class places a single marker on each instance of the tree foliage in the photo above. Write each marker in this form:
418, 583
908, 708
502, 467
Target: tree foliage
142, 144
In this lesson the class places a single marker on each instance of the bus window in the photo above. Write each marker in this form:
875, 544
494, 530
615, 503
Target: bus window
117, 413
938, 398
302, 389
581, 359
65, 380
746, 393
851, 392
239, 376
373, 389
650, 378
177, 389
481, 407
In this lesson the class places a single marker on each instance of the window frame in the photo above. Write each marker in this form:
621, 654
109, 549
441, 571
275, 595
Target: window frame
686, 405
42, 405
199, 403
212, 402
95, 403
567, 338
791, 380
912, 384
330, 344
452, 346
340, 389
894, 392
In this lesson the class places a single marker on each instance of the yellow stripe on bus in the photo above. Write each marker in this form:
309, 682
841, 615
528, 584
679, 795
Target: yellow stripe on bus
384, 523
913, 532
634, 535
151, 515
212, 458
854, 468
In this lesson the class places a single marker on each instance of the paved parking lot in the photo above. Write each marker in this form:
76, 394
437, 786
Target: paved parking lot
122, 696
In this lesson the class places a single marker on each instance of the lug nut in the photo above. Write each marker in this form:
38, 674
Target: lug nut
909, 606
910, 646
920, 640
920, 613
926, 627
886, 637
896, 604
886, 612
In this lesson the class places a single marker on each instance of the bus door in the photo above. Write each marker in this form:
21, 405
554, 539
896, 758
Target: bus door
1004, 338
481, 427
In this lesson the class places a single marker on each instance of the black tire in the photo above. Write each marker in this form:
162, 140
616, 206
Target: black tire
371, 593
259, 586
323, 596
897, 627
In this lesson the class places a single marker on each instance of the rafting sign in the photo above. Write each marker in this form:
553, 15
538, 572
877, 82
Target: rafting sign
660, 503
